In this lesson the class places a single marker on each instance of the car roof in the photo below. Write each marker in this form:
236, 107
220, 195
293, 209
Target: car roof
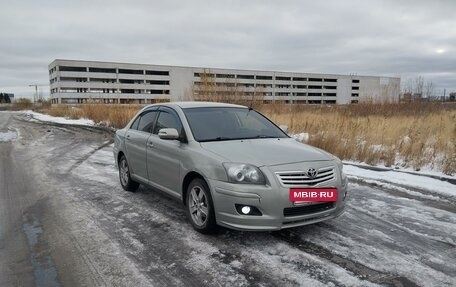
184, 105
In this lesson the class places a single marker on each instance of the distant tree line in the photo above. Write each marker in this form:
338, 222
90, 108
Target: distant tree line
4, 98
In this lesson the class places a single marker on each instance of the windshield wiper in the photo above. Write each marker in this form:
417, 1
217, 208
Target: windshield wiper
260, 137
217, 139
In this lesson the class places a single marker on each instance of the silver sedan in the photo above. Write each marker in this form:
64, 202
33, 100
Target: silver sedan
230, 166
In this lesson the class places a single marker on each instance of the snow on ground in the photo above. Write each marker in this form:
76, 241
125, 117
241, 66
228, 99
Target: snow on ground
8, 135
404, 179
397, 235
426, 170
100, 167
60, 120
394, 235
301, 137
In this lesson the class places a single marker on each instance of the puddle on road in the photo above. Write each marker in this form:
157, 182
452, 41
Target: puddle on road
8, 136
43, 266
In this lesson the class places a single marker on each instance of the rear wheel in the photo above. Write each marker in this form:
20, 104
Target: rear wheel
124, 175
200, 209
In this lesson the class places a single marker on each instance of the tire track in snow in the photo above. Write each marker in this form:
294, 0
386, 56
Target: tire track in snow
357, 268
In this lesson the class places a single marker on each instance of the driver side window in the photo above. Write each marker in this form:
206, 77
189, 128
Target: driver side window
167, 120
145, 122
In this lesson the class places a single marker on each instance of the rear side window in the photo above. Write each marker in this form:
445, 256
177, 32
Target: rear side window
134, 125
146, 122
167, 120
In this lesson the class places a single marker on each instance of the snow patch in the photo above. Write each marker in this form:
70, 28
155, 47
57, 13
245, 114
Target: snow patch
34, 116
404, 179
8, 136
302, 137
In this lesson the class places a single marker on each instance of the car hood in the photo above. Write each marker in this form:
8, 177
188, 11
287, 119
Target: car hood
261, 152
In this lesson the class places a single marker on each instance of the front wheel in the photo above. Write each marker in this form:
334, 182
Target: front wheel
200, 209
124, 175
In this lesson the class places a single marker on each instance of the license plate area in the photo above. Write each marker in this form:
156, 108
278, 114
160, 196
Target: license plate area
305, 196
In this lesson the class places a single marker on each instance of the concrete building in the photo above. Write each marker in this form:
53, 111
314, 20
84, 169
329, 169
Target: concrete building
81, 81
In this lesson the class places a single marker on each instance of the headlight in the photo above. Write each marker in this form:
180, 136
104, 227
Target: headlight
243, 173
340, 165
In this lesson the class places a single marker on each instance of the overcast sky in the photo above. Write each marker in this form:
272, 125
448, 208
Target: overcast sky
390, 38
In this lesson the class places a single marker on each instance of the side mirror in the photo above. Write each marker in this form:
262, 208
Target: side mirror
284, 128
168, 134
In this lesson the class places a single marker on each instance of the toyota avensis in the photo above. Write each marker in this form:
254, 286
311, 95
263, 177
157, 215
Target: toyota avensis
230, 166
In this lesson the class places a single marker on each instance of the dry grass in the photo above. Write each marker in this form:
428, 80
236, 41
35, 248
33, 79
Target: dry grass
116, 116
413, 135
21, 104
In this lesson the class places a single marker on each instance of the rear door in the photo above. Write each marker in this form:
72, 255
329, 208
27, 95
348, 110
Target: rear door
136, 141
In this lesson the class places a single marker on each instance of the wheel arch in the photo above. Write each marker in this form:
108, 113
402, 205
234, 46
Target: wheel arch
119, 155
186, 182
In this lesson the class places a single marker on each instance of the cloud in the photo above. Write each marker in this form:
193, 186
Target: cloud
394, 38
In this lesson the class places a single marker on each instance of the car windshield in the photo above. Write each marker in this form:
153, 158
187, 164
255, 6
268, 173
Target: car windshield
229, 123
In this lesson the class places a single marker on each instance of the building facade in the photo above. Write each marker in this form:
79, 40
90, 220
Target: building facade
73, 82
6, 98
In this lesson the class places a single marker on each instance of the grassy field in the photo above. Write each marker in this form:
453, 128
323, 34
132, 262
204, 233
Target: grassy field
415, 135
116, 116
412, 135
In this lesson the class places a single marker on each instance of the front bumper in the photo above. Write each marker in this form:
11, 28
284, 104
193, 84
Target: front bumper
271, 200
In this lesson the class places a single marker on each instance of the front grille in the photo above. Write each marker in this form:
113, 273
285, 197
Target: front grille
307, 209
294, 178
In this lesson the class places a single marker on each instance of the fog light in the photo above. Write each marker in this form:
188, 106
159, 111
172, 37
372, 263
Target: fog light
245, 210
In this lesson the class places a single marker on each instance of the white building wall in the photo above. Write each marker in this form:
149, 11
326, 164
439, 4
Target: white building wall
151, 83
344, 90
181, 83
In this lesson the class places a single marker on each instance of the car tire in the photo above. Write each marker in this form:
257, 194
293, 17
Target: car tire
124, 176
200, 208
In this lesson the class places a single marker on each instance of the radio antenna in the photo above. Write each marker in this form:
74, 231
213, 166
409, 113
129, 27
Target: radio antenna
251, 102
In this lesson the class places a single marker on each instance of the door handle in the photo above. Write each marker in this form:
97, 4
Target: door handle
128, 137
150, 145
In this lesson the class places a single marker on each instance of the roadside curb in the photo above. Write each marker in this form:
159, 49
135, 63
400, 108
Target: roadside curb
376, 168
87, 127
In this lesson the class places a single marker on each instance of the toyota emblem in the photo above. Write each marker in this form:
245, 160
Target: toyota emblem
312, 172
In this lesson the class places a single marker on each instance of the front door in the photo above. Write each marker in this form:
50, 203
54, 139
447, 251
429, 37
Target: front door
164, 156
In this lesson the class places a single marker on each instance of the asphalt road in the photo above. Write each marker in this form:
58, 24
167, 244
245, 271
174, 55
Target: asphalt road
65, 221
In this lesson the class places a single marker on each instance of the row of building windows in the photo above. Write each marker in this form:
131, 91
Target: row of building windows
251, 85
277, 94
260, 77
111, 91
108, 101
151, 101
108, 70
311, 102
104, 80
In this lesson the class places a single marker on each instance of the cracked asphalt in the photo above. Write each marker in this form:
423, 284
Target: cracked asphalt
65, 221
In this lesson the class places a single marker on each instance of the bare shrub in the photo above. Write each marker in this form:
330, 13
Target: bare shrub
413, 135
116, 116
22, 104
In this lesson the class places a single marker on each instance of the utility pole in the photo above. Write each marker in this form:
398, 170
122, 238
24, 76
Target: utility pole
35, 96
